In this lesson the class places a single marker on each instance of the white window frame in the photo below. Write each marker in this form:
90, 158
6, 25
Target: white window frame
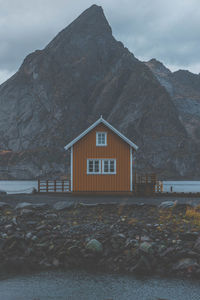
101, 166
109, 159
101, 145
93, 159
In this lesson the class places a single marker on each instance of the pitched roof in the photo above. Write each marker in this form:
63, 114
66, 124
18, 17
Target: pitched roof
101, 120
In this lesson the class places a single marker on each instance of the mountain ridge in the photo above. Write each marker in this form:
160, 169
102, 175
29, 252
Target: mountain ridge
184, 88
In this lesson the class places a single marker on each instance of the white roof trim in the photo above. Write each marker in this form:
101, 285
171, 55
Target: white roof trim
101, 120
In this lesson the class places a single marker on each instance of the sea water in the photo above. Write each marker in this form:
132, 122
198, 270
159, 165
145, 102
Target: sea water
79, 285
18, 186
26, 186
181, 186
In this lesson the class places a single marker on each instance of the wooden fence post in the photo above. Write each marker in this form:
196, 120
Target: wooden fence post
47, 184
38, 185
54, 185
161, 186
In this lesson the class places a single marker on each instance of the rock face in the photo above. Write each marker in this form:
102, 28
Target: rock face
184, 89
60, 90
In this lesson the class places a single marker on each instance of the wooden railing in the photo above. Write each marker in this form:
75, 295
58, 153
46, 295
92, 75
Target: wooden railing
146, 184
145, 178
159, 187
54, 186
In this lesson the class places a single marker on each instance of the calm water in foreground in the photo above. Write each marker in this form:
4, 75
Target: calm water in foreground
73, 285
14, 186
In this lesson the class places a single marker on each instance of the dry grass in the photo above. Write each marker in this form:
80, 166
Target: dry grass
193, 214
182, 221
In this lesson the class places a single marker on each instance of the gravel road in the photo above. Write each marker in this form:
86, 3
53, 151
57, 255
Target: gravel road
92, 199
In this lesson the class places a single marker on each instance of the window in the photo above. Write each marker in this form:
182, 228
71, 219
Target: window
93, 166
101, 166
101, 139
109, 166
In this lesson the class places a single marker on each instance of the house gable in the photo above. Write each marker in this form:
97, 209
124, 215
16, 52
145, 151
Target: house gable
108, 125
112, 141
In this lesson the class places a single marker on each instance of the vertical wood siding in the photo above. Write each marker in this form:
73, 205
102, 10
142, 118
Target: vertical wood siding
86, 148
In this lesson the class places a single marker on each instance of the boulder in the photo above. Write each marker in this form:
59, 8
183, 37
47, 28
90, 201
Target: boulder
29, 235
55, 262
4, 205
74, 251
51, 216
8, 226
186, 263
88, 204
197, 245
118, 240
62, 205
145, 238
168, 204
23, 205
143, 265
41, 206
146, 247
26, 212
189, 236
167, 252
94, 246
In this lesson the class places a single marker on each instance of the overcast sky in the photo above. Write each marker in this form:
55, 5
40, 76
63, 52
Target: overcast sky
166, 30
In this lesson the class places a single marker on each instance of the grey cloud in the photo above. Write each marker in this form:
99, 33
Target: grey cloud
168, 31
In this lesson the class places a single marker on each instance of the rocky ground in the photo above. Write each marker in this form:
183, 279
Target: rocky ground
133, 238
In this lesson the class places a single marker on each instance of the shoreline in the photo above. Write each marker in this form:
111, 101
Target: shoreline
112, 238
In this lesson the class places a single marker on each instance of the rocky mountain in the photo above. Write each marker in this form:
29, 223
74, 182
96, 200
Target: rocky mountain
184, 89
81, 74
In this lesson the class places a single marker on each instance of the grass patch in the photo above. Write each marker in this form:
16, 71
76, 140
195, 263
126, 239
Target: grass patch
193, 214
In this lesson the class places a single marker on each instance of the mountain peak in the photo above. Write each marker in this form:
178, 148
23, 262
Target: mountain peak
94, 8
94, 16
91, 22
157, 66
